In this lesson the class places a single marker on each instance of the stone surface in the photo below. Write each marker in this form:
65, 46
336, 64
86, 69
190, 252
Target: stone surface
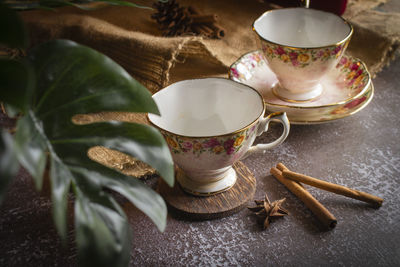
361, 152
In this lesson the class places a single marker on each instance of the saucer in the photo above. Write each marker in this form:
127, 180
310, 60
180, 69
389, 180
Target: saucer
347, 89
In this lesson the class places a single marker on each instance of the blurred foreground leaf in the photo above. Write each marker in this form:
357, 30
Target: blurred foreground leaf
73, 79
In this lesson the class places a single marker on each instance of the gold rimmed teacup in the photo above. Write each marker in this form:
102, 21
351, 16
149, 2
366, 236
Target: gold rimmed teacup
349, 89
301, 45
209, 124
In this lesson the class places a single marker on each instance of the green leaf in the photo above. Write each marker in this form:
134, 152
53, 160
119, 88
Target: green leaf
143, 197
102, 231
140, 141
31, 147
67, 84
123, 3
137, 140
73, 79
12, 30
11, 111
60, 184
8, 162
16, 83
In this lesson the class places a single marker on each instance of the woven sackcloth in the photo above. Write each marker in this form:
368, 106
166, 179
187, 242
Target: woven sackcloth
131, 38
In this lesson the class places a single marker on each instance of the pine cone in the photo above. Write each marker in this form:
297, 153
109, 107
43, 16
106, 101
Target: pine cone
175, 20
171, 18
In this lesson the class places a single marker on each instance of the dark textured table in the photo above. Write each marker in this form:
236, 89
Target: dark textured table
361, 152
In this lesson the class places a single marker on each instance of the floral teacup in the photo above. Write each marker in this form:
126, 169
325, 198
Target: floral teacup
209, 124
301, 45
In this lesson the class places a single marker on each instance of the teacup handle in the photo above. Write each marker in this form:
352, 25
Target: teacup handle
263, 127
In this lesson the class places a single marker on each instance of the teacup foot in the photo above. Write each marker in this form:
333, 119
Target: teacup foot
288, 96
206, 189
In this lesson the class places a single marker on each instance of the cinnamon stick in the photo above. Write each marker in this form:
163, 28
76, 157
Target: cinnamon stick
206, 19
193, 10
334, 188
202, 29
326, 218
218, 30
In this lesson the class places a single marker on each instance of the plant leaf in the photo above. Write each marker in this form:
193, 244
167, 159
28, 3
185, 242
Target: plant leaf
73, 79
12, 30
16, 83
31, 147
8, 162
68, 85
102, 232
11, 111
123, 3
140, 141
137, 140
143, 197
60, 184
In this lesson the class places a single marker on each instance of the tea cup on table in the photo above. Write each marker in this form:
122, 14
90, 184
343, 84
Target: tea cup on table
301, 45
209, 124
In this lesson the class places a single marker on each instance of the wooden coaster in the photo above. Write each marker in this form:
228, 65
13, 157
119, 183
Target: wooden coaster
186, 206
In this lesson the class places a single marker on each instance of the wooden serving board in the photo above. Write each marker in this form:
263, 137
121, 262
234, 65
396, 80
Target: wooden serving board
190, 207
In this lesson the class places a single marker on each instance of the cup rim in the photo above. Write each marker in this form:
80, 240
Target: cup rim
219, 135
344, 40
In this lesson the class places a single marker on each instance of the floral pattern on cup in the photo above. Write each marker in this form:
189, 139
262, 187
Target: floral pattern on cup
354, 73
247, 65
352, 105
228, 145
299, 57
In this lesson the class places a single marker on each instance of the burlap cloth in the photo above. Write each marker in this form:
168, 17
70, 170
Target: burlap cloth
132, 39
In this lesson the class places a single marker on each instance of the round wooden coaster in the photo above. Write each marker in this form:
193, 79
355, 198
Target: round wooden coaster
186, 206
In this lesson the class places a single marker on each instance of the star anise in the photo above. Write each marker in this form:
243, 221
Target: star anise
265, 210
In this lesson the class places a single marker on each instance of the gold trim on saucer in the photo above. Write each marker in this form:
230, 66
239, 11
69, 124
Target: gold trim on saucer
370, 97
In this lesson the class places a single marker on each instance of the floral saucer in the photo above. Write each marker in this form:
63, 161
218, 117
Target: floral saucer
347, 89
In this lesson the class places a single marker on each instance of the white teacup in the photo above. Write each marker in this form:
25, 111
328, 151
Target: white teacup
301, 45
209, 124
